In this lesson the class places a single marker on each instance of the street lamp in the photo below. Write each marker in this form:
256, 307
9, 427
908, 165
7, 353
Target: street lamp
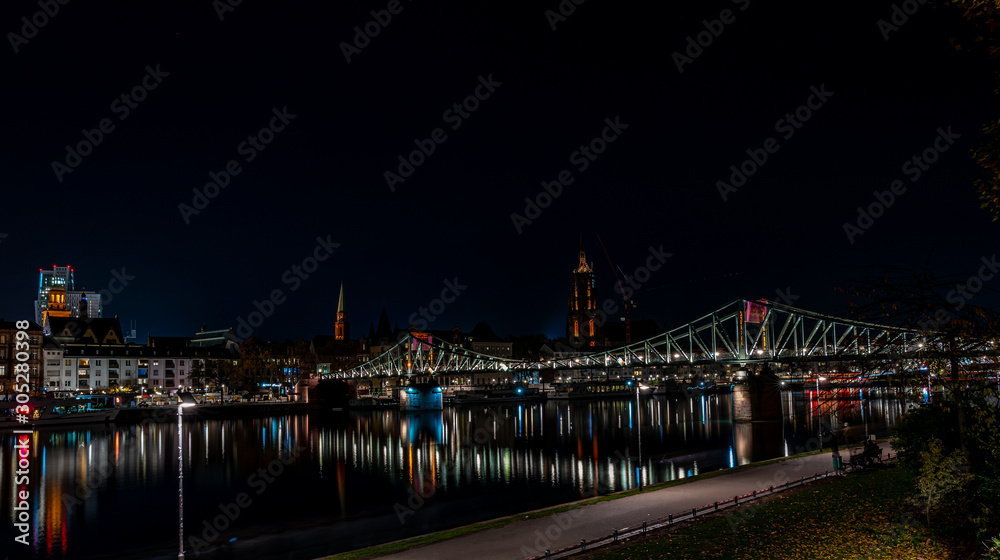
184, 400
818, 426
638, 421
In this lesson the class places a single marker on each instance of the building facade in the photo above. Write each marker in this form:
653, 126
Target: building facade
86, 367
91, 355
9, 350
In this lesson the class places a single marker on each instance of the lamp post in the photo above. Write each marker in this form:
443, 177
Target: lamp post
638, 421
184, 400
818, 426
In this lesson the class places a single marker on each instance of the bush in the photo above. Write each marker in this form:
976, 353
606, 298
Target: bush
911, 435
941, 476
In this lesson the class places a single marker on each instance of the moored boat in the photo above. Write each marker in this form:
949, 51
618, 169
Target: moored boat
593, 390
506, 394
59, 411
370, 403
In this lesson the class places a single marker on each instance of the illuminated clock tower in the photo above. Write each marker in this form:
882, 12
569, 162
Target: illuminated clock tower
581, 322
342, 329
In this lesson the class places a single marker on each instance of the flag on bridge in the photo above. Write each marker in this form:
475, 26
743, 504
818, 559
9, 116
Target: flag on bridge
755, 312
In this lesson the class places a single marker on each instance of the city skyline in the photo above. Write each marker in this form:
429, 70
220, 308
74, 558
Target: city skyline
755, 153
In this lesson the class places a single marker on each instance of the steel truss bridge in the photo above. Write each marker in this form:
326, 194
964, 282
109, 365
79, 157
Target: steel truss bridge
741, 332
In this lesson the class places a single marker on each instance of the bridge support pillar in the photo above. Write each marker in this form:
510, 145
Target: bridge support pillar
758, 397
420, 396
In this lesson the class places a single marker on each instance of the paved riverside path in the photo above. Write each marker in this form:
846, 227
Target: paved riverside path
525, 539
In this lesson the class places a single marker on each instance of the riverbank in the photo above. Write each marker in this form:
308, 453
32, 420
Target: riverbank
213, 411
863, 515
530, 534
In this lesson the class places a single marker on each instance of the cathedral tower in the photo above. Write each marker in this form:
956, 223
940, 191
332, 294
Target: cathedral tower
581, 322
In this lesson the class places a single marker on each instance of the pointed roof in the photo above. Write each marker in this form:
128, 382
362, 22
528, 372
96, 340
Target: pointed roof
483, 333
582, 266
341, 306
371, 331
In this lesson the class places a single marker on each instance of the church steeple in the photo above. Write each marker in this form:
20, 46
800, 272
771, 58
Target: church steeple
582, 267
84, 311
581, 321
342, 329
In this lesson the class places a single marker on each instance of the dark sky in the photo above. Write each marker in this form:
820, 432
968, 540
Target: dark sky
322, 176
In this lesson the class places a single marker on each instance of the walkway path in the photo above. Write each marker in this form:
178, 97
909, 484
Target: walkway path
525, 539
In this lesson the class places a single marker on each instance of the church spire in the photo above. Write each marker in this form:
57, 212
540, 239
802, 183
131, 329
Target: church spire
342, 329
582, 266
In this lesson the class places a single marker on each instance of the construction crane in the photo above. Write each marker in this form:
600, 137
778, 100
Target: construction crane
621, 290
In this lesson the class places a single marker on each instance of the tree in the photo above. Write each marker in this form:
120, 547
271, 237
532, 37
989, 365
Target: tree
960, 344
306, 360
941, 476
255, 365
197, 374
981, 39
960, 337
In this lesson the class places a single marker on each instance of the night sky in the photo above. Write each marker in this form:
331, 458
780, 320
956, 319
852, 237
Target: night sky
213, 82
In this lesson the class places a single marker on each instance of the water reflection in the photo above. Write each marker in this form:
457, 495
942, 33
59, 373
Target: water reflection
375, 476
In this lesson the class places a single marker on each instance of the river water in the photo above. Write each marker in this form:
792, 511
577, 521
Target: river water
301, 486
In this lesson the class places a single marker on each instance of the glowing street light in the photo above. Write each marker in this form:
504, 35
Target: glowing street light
818, 427
638, 422
185, 400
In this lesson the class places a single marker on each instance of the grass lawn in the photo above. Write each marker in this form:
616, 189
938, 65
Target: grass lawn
864, 515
